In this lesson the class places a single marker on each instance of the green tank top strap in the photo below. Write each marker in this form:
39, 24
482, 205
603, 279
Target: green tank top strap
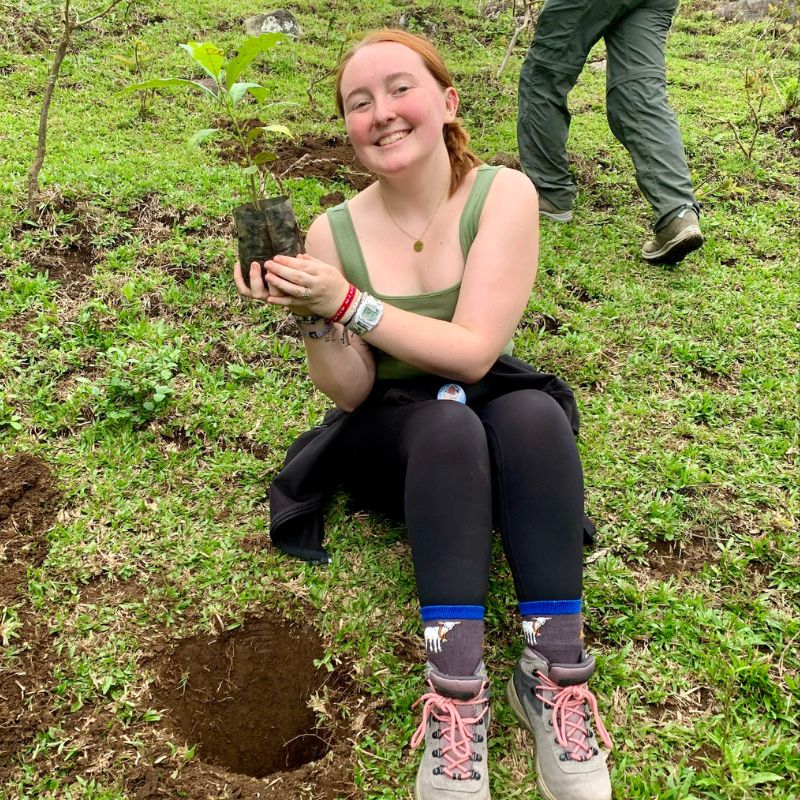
346, 241
471, 215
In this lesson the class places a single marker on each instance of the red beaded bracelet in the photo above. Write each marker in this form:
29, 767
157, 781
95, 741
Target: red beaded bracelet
351, 293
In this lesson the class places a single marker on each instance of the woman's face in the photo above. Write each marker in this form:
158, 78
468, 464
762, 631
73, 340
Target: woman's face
394, 108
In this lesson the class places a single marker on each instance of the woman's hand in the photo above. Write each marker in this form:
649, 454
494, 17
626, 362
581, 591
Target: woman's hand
305, 285
260, 289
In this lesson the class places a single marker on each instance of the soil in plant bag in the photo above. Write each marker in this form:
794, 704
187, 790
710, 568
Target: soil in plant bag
266, 231
243, 697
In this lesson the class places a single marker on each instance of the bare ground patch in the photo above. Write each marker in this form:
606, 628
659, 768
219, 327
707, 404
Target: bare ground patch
326, 158
674, 558
28, 505
265, 721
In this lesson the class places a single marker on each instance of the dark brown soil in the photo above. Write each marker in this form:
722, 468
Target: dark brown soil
540, 322
327, 158
72, 267
28, 505
243, 698
672, 558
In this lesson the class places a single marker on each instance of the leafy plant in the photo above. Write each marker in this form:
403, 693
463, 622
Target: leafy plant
226, 93
139, 63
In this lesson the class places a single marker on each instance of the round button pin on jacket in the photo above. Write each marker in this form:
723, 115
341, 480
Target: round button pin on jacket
452, 391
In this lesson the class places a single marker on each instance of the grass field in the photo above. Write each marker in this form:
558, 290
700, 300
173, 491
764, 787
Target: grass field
145, 407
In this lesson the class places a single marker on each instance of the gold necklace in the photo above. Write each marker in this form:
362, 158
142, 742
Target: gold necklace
418, 243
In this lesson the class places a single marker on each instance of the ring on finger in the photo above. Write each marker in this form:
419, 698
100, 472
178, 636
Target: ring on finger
305, 294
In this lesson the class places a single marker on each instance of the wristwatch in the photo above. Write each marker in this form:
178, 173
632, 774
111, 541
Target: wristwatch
367, 316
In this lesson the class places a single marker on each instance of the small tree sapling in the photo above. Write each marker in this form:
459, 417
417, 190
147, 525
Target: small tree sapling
265, 225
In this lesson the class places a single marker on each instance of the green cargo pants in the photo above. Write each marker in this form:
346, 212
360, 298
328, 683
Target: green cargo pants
635, 33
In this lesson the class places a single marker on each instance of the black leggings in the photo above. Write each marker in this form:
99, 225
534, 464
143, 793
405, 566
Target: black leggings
442, 464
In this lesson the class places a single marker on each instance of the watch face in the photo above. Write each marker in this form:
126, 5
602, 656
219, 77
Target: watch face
371, 312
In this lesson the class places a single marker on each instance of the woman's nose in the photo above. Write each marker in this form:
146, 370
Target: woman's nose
384, 110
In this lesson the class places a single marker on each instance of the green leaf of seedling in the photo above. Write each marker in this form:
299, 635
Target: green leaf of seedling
264, 158
259, 92
238, 91
128, 62
148, 405
254, 133
282, 129
248, 52
200, 136
252, 170
210, 57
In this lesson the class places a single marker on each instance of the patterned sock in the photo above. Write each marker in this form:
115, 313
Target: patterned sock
454, 638
554, 629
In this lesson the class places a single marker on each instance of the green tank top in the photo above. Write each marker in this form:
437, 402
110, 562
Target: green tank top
438, 305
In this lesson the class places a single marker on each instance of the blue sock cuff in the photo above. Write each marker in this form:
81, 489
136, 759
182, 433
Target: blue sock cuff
451, 612
538, 608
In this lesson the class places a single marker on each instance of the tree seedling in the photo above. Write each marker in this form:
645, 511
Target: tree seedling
265, 225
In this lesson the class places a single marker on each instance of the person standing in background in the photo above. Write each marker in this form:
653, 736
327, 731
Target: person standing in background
635, 33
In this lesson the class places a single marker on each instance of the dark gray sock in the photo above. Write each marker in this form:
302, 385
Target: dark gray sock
559, 638
454, 646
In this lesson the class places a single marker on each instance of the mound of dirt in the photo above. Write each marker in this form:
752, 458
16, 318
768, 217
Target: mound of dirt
28, 504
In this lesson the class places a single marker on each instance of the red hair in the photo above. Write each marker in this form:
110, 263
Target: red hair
456, 139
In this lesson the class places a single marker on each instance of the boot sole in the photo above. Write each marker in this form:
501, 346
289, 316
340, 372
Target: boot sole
557, 216
519, 713
676, 249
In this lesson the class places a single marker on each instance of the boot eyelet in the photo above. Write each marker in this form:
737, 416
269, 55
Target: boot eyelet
562, 757
436, 753
476, 776
437, 770
595, 751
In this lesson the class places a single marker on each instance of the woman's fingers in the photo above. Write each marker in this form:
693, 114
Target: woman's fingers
239, 281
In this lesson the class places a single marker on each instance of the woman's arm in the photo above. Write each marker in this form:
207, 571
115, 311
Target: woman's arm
340, 364
498, 278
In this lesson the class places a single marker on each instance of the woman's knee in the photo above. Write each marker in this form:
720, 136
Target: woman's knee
447, 428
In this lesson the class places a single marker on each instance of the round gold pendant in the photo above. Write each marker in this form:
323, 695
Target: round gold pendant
418, 246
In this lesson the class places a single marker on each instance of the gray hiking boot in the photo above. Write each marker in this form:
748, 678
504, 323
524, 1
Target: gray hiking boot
455, 719
676, 240
554, 704
547, 209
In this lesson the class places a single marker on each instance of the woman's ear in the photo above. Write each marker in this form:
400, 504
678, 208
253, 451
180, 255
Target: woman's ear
451, 103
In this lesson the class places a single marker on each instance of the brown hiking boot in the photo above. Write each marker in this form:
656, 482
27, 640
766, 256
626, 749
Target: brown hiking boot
547, 209
455, 719
676, 240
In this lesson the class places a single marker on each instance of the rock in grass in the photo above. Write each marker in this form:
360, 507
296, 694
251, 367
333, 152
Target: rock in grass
278, 21
752, 10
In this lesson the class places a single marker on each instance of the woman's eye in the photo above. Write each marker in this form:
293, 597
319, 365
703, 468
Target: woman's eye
401, 89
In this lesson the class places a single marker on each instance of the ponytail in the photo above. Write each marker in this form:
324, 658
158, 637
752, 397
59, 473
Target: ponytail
462, 159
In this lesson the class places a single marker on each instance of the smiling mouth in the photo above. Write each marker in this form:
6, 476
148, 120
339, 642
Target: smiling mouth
392, 138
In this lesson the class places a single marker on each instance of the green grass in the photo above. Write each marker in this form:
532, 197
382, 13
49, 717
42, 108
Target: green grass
686, 379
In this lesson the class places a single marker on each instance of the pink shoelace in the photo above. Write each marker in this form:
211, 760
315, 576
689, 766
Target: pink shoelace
570, 718
456, 732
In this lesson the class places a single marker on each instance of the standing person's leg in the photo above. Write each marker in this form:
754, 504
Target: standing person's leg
640, 117
539, 495
433, 458
565, 33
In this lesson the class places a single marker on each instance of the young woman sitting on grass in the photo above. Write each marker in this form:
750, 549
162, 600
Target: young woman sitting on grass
407, 300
